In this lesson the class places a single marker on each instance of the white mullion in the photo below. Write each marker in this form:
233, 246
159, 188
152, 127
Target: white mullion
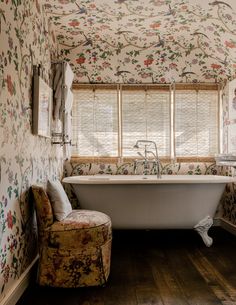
220, 120
197, 121
119, 113
172, 122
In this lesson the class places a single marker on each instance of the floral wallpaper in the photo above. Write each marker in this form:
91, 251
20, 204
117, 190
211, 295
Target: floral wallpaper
26, 40
229, 146
228, 209
75, 168
147, 41
229, 117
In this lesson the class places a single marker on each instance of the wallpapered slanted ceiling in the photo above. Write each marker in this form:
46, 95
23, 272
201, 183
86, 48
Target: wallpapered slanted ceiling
135, 41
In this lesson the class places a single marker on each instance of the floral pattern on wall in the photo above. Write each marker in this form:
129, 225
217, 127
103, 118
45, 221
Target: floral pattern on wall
26, 40
229, 117
153, 41
229, 204
75, 168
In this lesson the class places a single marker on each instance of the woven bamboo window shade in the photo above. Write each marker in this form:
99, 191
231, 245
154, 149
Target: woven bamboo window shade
146, 116
183, 120
95, 121
196, 123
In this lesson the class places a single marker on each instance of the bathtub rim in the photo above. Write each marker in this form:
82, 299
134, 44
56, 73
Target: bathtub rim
149, 179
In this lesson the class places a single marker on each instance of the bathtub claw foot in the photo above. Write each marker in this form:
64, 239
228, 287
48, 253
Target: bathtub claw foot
202, 228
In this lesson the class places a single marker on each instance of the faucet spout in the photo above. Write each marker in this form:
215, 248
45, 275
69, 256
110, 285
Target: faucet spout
145, 156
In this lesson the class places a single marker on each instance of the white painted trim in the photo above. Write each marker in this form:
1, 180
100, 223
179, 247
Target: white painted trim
17, 289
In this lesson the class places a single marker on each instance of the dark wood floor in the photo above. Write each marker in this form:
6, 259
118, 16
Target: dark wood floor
157, 268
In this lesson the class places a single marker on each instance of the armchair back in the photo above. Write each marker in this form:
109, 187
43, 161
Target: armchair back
43, 207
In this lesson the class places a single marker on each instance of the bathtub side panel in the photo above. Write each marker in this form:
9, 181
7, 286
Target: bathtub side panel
163, 206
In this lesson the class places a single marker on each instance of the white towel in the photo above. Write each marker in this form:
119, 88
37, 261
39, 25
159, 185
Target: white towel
63, 100
58, 74
69, 101
68, 75
68, 79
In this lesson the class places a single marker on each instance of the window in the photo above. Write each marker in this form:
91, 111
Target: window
95, 122
196, 123
107, 120
145, 116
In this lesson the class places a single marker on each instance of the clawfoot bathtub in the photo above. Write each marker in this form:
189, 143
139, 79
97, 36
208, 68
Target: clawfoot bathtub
145, 202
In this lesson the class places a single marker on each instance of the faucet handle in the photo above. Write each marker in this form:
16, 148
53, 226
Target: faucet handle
139, 153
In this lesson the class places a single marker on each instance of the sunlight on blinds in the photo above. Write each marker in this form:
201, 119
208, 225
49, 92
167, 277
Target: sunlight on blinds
108, 120
95, 122
196, 123
146, 116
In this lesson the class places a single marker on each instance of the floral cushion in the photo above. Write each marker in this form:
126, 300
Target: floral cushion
81, 227
43, 207
82, 219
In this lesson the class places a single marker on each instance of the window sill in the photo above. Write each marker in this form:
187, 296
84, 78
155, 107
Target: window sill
113, 160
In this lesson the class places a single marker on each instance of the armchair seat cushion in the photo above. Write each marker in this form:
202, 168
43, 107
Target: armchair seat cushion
82, 219
81, 229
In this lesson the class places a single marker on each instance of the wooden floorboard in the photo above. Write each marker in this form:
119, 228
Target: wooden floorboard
147, 293
166, 280
168, 267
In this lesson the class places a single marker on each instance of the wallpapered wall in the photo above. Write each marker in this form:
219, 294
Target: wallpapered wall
229, 117
25, 39
147, 40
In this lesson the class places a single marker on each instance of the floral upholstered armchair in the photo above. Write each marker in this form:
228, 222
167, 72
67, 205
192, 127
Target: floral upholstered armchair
74, 251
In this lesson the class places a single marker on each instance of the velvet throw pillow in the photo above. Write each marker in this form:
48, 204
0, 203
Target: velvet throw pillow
60, 203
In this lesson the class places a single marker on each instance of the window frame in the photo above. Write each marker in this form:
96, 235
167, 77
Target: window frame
93, 88
145, 88
197, 87
172, 89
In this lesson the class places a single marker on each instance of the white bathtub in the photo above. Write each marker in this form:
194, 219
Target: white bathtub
145, 202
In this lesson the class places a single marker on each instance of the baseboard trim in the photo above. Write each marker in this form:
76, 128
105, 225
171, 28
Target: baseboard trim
228, 226
18, 288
